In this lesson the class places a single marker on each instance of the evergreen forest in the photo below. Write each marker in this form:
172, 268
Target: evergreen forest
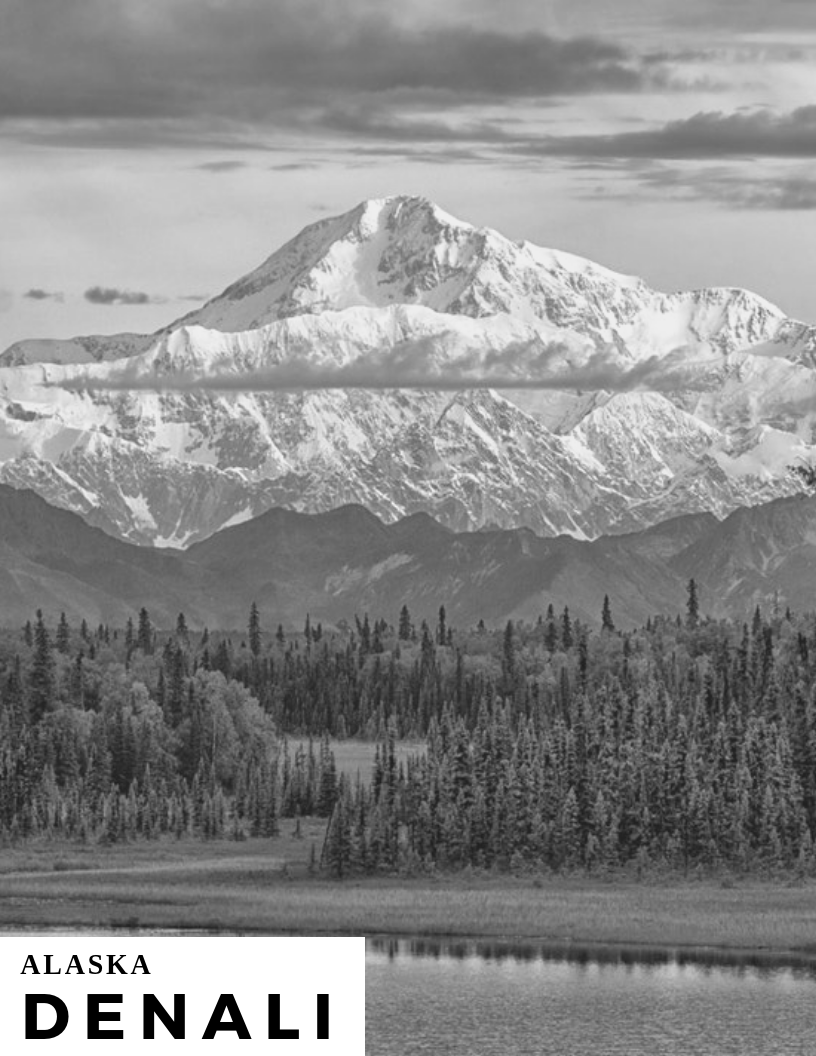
687, 743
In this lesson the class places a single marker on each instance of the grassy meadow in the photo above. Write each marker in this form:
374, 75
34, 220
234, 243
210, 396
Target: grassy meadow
357, 757
264, 886
268, 886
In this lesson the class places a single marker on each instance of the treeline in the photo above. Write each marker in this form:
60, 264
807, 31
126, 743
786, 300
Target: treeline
92, 748
688, 742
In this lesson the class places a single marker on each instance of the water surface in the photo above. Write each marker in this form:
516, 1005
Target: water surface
482, 1000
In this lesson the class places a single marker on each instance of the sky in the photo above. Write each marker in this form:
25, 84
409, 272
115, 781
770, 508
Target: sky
153, 151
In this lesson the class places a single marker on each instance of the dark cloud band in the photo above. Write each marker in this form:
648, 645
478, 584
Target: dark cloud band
704, 136
414, 365
36, 293
108, 295
263, 59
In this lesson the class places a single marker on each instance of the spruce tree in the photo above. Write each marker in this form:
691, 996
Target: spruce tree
441, 627
41, 679
63, 634
404, 628
144, 636
509, 653
692, 606
254, 630
327, 793
182, 634
566, 629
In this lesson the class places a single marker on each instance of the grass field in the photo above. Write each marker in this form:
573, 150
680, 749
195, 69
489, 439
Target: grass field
357, 757
264, 886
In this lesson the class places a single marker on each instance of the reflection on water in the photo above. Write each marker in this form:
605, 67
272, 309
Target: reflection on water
483, 998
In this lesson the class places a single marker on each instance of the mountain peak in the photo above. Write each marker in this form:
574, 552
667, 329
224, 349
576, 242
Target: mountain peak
407, 250
400, 210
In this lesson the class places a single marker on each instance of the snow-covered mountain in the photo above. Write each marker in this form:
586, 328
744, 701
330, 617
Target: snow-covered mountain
172, 468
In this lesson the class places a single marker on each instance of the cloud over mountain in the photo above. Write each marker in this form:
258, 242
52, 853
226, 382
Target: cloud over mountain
416, 365
36, 293
111, 295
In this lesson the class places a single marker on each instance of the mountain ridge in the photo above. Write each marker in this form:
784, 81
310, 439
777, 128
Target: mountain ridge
348, 561
171, 468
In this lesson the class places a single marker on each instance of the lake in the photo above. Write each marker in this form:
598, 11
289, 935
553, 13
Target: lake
476, 999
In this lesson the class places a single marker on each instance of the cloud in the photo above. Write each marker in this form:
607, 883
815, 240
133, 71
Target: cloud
376, 122
741, 190
533, 365
264, 60
37, 294
713, 135
294, 166
734, 186
112, 133
221, 166
792, 193
110, 295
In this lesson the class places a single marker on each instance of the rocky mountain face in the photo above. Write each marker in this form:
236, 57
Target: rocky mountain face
171, 468
347, 561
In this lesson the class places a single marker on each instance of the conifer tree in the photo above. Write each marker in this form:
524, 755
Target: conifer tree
327, 794
182, 633
404, 628
144, 635
692, 606
41, 679
63, 638
254, 630
441, 627
509, 654
566, 629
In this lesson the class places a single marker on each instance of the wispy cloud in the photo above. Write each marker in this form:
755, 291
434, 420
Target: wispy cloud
218, 167
714, 135
294, 166
733, 185
373, 121
417, 365
38, 294
108, 295
736, 188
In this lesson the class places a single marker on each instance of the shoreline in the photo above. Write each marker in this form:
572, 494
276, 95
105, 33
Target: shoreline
263, 887
504, 947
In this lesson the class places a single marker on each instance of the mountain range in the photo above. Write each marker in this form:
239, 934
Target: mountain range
172, 468
348, 561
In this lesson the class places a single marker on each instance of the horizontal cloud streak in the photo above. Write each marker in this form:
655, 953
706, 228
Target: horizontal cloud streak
38, 294
376, 123
703, 136
417, 365
218, 167
108, 295
735, 188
